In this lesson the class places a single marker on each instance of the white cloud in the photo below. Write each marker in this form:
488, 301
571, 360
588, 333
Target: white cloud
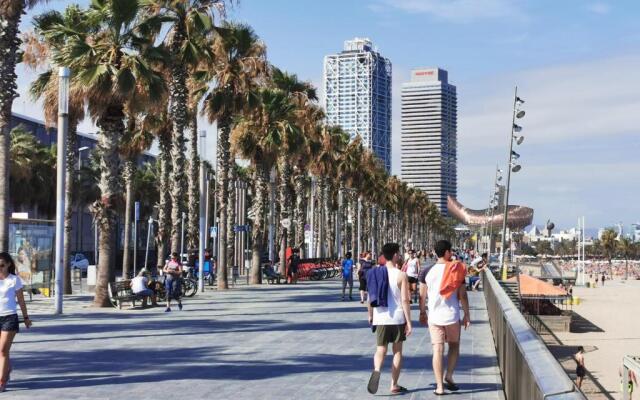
462, 11
599, 8
590, 99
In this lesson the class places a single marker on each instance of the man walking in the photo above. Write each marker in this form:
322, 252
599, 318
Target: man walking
347, 275
445, 290
389, 315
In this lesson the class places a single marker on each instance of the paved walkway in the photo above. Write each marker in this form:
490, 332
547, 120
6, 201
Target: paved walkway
272, 342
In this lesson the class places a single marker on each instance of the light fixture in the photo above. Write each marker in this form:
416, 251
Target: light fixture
519, 139
515, 155
516, 168
519, 100
520, 114
517, 128
83, 148
500, 178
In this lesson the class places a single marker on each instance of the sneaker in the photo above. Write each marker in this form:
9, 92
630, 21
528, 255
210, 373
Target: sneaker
167, 309
180, 306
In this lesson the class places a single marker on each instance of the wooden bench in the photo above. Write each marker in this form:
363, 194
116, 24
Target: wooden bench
120, 292
272, 277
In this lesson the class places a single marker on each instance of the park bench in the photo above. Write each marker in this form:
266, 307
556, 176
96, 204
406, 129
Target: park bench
271, 277
120, 292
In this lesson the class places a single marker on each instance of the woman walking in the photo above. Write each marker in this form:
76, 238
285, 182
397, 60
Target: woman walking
173, 272
10, 291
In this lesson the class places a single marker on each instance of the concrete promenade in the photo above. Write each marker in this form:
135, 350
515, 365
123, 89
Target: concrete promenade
270, 342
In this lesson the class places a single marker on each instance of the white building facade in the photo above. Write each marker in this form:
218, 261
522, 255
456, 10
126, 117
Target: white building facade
357, 85
429, 135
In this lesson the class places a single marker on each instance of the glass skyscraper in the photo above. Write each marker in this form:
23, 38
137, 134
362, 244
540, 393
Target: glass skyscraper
429, 135
357, 84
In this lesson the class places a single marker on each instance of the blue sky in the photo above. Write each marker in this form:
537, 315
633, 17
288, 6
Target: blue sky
577, 65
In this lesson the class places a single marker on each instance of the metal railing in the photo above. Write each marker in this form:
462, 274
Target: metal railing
529, 370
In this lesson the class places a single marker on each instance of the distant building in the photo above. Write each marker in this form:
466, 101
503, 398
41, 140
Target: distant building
357, 84
429, 135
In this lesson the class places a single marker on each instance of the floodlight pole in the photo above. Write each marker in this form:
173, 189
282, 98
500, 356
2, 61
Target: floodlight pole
503, 263
63, 125
203, 212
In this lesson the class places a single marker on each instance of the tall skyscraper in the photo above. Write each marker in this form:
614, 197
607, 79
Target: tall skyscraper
357, 84
429, 135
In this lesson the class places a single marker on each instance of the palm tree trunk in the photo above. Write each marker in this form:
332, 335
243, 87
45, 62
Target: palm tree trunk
127, 175
223, 202
194, 188
70, 178
300, 209
285, 209
178, 93
9, 43
164, 200
111, 130
261, 179
322, 191
231, 217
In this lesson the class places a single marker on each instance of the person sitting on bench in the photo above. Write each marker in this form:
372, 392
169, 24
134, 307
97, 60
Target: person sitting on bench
140, 287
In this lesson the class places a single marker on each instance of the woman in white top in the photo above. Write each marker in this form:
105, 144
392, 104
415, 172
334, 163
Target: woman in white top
10, 290
413, 270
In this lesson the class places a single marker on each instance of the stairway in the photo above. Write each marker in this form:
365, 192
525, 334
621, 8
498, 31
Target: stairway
512, 290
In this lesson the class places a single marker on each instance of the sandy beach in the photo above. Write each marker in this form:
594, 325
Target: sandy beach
613, 311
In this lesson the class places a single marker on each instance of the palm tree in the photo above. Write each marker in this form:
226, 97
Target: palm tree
42, 51
186, 21
161, 127
239, 65
10, 14
261, 137
626, 247
609, 241
134, 142
114, 64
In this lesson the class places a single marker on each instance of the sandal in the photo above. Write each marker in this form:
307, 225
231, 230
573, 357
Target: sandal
439, 394
374, 382
451, 386
399, 389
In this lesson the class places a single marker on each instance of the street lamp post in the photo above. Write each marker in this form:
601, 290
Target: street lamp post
511, 167
63, 125
146, 253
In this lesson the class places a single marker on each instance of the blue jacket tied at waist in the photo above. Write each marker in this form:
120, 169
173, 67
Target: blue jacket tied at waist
378, 286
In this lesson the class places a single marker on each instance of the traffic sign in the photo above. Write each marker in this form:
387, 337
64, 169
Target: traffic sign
213, 231
137, 206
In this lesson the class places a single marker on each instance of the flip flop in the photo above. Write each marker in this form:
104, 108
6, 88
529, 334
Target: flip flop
451, 386
439, 394
399, 389
374, 382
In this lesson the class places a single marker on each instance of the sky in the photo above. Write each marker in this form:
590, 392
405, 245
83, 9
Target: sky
576, 64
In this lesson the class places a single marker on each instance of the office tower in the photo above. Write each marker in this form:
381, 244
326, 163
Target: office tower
357, 84
429, 135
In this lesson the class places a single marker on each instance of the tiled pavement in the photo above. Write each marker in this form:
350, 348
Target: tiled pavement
271, 342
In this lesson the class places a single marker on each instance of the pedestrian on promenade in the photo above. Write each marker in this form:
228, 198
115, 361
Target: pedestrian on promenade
581, 371
389, 314
347, 275
294, 263
413, 269
364, 267
603, 278
444, 290
10, 291
173, 272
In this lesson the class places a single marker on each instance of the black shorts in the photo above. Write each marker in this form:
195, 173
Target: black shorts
581, 371
9, 323
363, 284
412, 279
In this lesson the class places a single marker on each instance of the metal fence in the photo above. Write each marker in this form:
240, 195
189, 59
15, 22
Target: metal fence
529, 370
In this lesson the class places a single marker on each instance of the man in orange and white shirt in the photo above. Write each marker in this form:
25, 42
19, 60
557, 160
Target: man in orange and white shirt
445, 291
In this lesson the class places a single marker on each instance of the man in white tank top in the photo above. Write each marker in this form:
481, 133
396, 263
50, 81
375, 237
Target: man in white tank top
392, 323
